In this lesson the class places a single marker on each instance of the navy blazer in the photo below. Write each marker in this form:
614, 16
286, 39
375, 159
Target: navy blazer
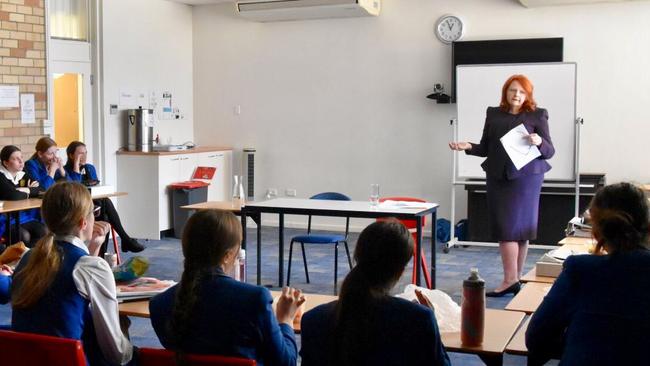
403, 333
497, 124
596, 313
231, 318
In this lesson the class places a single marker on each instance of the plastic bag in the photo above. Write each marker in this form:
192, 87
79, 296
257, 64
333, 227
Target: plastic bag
443, 230
446, 310
133, 268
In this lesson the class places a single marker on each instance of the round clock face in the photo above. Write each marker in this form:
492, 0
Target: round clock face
449, 28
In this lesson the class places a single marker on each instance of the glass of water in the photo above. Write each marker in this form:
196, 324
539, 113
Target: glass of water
374, 194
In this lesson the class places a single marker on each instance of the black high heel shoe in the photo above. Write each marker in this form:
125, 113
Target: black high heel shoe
513, 289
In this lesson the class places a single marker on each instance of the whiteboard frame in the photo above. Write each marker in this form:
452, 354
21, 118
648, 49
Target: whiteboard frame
462, 181
574, 117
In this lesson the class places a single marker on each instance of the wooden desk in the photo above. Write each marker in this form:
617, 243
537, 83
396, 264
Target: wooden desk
214, 205
532, 276
109, 195
140, 309
13, 208
500, 326
577, 244
529, 298
517, 345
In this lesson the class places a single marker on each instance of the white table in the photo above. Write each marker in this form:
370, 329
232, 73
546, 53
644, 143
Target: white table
360, 209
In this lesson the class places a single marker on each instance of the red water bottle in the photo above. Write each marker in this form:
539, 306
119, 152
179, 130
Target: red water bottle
472, 307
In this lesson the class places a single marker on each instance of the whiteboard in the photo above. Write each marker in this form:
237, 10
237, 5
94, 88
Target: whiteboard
479, 87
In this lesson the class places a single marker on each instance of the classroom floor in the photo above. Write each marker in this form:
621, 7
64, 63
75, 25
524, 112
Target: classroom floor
166, 263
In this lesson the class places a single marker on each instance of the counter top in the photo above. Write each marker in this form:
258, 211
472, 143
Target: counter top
197, 149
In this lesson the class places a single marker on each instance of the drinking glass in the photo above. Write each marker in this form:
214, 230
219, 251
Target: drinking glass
374, 194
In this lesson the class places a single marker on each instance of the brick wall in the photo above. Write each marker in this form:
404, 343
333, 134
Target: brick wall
22, 63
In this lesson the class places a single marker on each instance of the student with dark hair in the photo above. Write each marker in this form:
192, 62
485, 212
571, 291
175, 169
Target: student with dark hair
16, 185
367, 326
598, 310
211, 313
61, 288
44, 165
79, 170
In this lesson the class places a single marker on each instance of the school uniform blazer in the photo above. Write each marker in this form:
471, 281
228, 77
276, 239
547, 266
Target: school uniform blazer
38, 171
86, 172
231, 318
8, 192
596, 313
497, 124
401, 333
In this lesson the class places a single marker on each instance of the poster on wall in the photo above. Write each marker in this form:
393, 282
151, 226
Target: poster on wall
27, 110
8, 96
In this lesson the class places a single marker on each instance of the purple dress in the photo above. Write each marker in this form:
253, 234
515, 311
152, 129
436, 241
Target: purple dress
513, 195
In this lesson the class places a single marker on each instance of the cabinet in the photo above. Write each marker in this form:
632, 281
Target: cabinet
556, 208
147, 176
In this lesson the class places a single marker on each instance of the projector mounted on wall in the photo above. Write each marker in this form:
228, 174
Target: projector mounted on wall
282, 10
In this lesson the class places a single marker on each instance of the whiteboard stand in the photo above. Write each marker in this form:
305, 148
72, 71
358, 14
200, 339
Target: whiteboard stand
455, 181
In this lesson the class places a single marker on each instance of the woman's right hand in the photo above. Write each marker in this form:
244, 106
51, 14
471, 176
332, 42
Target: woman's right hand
460, 146
288, 304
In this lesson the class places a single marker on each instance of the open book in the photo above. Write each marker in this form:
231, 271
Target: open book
141, 288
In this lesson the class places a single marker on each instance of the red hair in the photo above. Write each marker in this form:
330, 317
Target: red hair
529, 104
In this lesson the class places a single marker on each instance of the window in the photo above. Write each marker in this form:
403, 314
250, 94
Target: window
69, 19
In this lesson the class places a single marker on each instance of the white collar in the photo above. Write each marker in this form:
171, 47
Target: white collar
77, 242
9, 176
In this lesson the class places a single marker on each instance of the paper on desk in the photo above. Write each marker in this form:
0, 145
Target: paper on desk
520, 151
404, 204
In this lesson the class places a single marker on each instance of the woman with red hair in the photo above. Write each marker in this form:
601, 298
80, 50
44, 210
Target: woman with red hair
512, 194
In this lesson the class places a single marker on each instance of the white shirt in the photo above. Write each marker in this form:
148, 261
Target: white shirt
95, 282
15, 180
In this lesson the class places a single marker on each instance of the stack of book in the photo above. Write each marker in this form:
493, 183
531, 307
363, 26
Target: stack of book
141, 288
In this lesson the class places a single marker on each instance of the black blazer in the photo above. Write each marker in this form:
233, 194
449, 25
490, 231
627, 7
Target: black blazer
8, 191
497, 124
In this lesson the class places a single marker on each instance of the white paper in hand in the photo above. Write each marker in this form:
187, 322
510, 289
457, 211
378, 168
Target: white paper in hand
516, 144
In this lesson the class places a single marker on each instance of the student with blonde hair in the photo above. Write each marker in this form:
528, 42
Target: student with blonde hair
60, 288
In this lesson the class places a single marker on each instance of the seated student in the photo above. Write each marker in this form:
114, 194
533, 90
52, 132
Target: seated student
44, 165
15, 185
211, 313
367, 326
61, 288
598, 310
79, 170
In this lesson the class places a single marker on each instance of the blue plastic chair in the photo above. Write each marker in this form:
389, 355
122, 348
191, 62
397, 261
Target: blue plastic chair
322, 239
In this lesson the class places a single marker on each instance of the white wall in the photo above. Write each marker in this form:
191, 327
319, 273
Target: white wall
147, 45
338, 104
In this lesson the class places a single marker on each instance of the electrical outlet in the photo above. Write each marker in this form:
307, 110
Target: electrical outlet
290, 192
271, 193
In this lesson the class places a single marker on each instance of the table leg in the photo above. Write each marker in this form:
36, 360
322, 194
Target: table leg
418, 248
18, 225
8, 228
281, 250
434, 235
259, 249
243, 230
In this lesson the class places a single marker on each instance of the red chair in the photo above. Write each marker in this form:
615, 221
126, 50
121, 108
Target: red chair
163, 357
35, 349
412, 226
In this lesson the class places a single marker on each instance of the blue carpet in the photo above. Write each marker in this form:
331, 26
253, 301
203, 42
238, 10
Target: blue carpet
166, 263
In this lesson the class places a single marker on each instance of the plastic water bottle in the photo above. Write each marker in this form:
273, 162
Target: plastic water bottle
472, 321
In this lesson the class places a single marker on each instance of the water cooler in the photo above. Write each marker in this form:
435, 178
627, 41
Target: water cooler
139, 129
